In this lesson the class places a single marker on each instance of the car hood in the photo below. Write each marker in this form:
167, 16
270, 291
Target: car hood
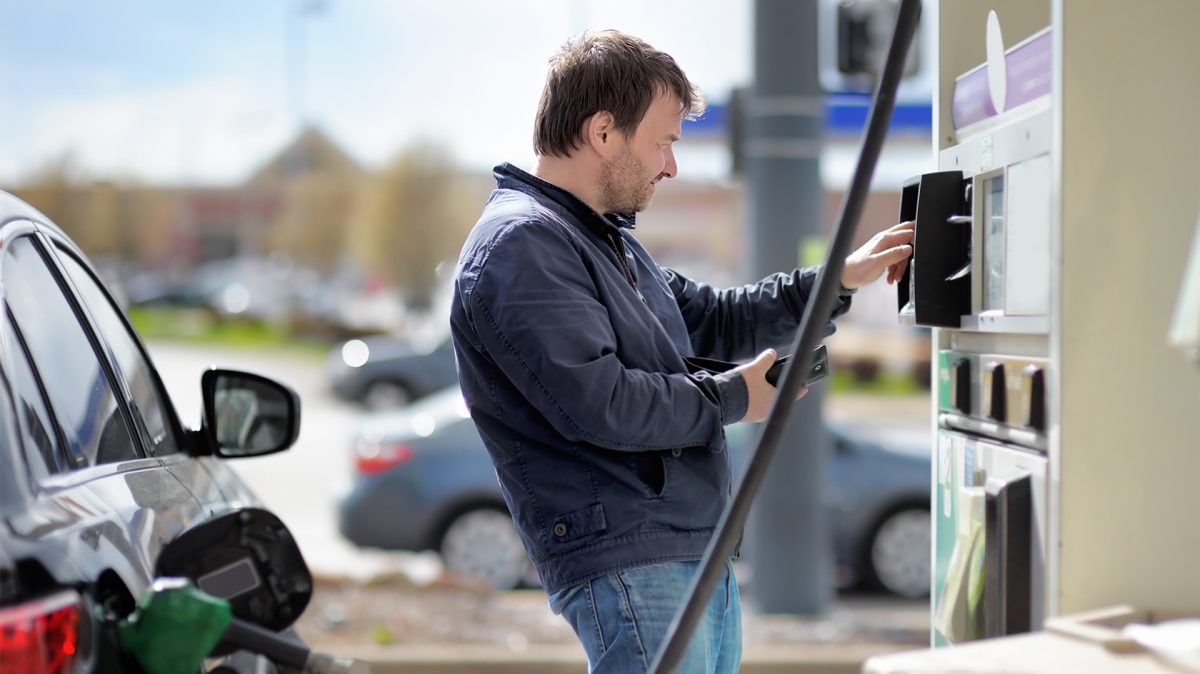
914, 442
387, 347
420, 419
392, 347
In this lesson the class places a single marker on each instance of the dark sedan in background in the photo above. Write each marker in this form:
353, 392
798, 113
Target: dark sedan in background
423, 481
384, 372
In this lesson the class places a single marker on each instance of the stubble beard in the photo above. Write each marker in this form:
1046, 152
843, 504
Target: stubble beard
623, 186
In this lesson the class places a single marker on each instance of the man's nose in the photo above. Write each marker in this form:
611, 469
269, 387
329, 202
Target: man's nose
670, 169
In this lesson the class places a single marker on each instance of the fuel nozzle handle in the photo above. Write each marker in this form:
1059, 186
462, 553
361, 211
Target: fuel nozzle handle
289, 652
176, 625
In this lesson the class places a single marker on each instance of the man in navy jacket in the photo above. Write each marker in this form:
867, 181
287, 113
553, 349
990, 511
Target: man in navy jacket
571, 342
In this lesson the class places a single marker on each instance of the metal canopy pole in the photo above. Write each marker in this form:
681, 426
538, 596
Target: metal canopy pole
726, 536
788, 541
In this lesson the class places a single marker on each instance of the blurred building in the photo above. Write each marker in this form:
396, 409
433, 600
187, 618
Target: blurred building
214, 223
182, 227
314, 208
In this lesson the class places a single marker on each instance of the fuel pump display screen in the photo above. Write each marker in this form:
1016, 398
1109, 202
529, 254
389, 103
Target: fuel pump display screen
993, 243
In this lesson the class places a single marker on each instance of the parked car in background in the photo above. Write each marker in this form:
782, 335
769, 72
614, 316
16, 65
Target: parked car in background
879, 503
423, 481
386, 372
97, 475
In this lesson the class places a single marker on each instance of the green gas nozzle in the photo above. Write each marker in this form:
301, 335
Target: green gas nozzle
174, 628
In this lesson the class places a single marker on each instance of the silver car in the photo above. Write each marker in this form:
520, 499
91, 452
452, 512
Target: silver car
97, 475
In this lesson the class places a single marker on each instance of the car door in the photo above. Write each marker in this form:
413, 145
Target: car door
105, 499
149, 404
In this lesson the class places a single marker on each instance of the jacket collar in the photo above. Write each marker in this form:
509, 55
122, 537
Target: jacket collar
510, 177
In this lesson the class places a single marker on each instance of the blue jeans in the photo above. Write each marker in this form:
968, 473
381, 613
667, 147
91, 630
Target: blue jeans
622, 619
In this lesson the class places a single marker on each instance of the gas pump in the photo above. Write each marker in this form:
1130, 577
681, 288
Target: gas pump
980, 275
1062, 419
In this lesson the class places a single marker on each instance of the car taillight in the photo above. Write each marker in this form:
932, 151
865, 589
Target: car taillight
375, 457
40, 636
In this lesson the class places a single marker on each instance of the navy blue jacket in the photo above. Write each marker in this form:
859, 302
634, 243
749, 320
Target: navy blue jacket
570, 343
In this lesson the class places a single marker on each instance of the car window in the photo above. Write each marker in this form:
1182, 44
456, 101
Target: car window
80, 393
152, 405
40, 440
11, 482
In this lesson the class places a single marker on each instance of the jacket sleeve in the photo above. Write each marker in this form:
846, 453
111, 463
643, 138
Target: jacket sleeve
535, 309
735, 324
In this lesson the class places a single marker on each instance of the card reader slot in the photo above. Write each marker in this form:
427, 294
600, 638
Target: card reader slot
937, 289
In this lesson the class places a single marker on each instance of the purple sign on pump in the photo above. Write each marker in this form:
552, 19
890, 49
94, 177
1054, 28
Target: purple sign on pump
1002, 84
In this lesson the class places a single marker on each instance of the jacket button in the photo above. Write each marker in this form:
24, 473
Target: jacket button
676, 452
560, 529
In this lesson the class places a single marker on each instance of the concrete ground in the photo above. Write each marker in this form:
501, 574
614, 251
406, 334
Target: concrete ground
854, 629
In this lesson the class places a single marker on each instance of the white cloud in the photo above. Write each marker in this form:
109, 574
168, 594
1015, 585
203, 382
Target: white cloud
378, 75
470, 75
468, 79
205, 131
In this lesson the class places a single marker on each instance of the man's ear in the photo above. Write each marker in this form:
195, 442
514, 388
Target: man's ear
600, 134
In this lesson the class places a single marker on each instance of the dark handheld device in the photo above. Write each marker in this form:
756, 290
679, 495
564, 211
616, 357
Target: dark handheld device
818, 371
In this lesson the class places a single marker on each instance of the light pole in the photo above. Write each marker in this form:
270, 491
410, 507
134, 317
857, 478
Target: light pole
792, 552
298, 14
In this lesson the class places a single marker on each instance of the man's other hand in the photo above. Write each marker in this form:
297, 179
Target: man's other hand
762, 394
888, 250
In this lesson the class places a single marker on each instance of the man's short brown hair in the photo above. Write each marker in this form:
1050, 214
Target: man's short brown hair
610, 71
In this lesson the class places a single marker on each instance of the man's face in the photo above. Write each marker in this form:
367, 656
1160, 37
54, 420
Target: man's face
627, 182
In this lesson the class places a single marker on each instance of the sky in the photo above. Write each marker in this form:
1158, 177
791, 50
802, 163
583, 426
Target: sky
204, 92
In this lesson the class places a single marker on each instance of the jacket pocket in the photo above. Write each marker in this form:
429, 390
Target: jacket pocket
578, 524
651, 470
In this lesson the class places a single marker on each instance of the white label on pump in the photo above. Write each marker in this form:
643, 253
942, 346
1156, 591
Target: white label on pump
1027, 273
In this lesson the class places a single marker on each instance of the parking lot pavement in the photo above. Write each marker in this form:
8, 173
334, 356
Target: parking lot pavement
839, 642
448, 628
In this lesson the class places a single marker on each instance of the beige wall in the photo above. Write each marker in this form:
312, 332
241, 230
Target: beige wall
962, 48
1130, 405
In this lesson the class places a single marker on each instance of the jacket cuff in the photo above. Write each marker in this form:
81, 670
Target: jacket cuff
735, 397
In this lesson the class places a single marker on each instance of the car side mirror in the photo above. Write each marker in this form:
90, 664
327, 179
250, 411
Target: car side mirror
247, 414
